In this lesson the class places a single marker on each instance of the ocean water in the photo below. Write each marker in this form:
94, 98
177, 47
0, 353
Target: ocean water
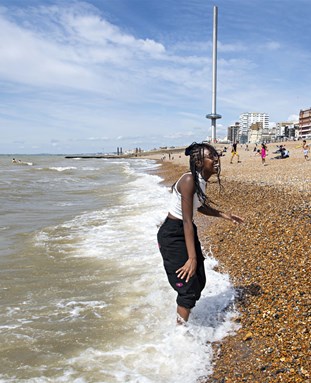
84, 296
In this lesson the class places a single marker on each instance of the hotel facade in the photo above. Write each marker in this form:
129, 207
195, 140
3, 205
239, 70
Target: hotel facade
305, 123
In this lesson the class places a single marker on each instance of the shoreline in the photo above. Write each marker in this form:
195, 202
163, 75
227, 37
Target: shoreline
268, 261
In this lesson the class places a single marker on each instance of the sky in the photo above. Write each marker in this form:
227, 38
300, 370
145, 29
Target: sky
96, 75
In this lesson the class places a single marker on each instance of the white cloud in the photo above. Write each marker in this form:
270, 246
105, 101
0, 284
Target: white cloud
233, 47
272, 45
293, 118
88, 57
97, 138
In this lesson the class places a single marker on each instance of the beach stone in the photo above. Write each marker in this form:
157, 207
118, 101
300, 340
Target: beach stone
248, 336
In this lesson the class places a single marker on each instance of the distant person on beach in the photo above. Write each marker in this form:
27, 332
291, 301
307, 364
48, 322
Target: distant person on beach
263, 153
177, 237
283, 153
14, 161
306, 148
234, 152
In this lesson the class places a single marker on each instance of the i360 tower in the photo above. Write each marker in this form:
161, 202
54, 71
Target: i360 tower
214, 116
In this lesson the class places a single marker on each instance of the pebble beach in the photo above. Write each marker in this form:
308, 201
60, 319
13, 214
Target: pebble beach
268, 259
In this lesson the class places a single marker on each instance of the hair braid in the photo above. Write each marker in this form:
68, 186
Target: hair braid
196, 153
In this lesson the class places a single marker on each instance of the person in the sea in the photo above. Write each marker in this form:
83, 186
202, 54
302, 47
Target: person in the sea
177, 237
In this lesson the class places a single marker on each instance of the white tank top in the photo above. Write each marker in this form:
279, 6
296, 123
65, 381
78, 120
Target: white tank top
175, 205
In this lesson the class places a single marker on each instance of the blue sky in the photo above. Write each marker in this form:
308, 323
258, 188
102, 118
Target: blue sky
91, 76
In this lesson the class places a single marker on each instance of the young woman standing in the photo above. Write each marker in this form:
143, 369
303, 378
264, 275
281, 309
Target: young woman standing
177, 237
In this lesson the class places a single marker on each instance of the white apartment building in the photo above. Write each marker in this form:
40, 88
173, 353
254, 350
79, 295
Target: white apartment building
249, 120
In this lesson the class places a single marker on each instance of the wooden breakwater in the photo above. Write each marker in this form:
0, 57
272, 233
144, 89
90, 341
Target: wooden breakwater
100, 156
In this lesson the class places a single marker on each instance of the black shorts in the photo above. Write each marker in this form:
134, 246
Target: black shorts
172, 245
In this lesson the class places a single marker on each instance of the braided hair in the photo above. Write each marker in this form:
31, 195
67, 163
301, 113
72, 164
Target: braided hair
196, 153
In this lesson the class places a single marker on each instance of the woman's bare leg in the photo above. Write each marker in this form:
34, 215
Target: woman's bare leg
182, 314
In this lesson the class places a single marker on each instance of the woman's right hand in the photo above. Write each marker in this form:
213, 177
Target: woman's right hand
187, 270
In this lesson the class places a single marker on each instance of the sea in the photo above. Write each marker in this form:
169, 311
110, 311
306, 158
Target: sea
83, 294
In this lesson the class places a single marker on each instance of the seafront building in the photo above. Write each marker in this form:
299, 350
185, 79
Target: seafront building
305, 123
252, 126
233, 132
288, 130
